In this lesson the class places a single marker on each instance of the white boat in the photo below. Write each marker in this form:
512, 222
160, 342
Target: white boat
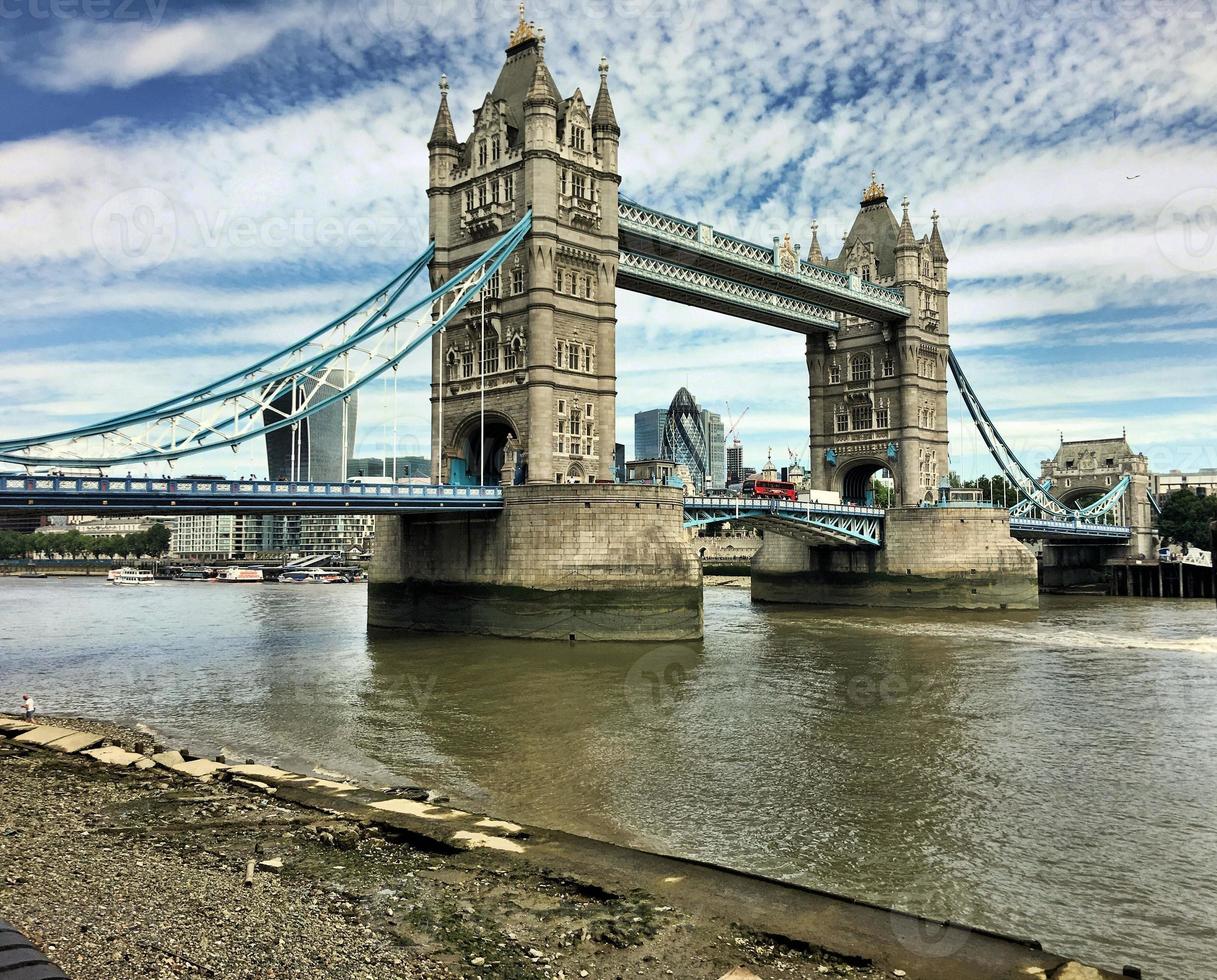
314, 576
129, 576
235, 574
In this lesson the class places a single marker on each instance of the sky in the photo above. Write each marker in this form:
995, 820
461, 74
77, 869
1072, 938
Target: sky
269, 161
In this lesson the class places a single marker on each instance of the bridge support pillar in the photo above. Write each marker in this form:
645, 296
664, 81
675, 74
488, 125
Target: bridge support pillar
588, 562
938, 558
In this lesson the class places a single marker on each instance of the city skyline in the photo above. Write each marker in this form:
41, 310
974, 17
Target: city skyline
1065, 203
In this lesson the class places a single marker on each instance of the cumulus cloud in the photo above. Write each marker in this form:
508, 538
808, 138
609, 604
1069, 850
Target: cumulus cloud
1023, 130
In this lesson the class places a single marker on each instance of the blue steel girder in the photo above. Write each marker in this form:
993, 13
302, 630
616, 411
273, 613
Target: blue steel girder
649, 233
134, 495
692, 287
1071, 530
851, 526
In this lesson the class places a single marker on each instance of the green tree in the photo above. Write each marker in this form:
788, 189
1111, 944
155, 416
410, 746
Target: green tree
156, 540
1185, 518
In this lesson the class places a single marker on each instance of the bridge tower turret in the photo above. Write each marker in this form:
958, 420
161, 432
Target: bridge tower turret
878, 391
544, 354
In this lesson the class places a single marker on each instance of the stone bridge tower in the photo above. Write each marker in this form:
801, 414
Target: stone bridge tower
878, 392
545, 350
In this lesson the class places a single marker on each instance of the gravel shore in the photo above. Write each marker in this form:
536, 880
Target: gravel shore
132, 874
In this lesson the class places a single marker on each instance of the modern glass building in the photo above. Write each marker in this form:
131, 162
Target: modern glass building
687, 435
315, 450
648, 433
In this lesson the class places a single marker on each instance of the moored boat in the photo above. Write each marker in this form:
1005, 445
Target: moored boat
235, 574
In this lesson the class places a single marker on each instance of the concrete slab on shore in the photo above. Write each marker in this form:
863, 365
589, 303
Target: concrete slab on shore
170, 760
10, 727
199, 768
112, 755
43, 735
75, 742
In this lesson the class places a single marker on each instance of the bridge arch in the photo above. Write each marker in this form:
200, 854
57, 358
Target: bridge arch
853, 478
472, 462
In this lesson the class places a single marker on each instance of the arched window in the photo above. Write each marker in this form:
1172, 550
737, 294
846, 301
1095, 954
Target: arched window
860, 367
481, 153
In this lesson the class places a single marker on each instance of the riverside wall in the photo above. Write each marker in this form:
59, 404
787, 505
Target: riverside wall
584, 562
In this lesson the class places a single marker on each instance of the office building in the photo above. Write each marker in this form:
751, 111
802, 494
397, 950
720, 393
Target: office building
317, 448
648, 433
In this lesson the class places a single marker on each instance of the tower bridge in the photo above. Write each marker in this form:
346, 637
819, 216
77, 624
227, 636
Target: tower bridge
525, 534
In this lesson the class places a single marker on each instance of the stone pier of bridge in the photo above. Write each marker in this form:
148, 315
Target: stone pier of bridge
933, 557
566, 562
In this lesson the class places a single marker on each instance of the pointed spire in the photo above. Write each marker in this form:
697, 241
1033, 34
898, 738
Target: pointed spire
543, 91
443, 133
814, 255
936, 247
906, 239
603, 117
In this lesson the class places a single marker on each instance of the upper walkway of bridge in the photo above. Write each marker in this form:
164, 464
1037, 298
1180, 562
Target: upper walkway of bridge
692, 263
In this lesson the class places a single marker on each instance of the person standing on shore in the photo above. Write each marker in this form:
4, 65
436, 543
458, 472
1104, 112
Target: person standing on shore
27, 707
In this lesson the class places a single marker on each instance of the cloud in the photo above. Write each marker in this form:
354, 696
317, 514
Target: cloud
87, 53
311, 173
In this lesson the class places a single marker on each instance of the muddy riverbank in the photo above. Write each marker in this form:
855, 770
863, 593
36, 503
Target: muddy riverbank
191, 869
126, 873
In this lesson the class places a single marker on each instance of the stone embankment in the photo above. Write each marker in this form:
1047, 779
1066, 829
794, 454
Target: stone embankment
122, 860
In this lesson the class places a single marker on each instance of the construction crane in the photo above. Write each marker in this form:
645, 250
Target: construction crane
734, 425
737, 447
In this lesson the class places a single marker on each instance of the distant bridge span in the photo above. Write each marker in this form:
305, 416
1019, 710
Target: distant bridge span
826, 524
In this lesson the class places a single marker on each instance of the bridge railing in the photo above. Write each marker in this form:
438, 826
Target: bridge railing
780, 506
167, 486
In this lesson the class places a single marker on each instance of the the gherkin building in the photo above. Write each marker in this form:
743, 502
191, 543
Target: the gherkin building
687, 439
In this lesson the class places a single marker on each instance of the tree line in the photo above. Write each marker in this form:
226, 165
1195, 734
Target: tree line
151, 543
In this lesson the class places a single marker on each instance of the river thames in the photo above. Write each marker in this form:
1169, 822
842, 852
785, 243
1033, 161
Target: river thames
1051, 774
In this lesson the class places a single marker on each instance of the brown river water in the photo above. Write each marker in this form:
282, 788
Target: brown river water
1051, 775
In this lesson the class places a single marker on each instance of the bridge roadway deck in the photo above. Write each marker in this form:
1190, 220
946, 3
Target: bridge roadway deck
147, 496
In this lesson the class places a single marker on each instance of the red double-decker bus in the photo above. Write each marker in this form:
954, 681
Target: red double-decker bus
780, 489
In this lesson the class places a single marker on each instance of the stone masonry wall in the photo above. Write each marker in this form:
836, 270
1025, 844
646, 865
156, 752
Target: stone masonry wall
597, 561
932, 557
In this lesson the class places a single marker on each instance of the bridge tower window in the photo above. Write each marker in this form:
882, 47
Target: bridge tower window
558, 349
860, 367
578, 137
509, 188
482, 195
564, 181
882, 417
861, 417
842, 420
481, 153
469, 199
587, 360
517, 280
495, 148
834, 374
467, 363
572, 357
889, 368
